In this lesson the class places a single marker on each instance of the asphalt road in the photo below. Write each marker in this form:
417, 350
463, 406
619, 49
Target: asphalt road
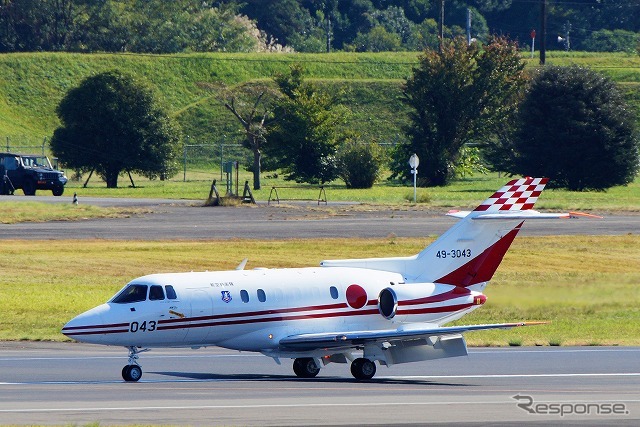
64, 384
179, 219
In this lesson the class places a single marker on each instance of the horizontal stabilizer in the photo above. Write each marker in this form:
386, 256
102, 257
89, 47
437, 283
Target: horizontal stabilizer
531, 214
528, 214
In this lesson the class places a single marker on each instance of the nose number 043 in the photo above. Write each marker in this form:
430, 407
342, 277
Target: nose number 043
145, 326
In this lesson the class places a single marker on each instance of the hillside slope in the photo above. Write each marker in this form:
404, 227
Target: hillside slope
34, 83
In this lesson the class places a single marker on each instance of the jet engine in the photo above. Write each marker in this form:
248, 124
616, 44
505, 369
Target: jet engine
399, 299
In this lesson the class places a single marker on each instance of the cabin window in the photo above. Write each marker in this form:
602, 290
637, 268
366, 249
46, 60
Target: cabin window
156, 293
132, 293
262, 297
244, 295
171, 293
334, 292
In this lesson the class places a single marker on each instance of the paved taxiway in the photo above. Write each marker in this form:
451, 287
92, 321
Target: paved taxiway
47, 383
174, 219
58, 383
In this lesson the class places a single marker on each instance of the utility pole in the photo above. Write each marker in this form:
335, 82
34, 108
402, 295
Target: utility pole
543, 31
468, 27
441, 25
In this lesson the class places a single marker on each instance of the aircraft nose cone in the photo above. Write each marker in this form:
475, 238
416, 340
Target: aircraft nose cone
88, 326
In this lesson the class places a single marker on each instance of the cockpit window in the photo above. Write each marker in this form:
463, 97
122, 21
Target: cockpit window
156, 293
171, 293
132, 293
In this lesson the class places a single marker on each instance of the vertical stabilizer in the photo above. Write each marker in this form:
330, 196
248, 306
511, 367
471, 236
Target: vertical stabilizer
468, 253
517, 195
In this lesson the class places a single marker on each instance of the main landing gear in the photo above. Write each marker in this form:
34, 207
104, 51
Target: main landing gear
361, 368
305, 367
133, 371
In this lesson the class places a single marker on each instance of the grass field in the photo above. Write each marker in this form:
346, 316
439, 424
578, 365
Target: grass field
586, 286
467, 192
13, 212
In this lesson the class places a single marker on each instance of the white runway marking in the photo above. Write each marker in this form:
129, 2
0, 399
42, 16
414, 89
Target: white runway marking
284, 405
202, 356
394, 378
556, 350
439, 377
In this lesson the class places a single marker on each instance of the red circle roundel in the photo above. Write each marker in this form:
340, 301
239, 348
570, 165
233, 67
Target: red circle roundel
356, 296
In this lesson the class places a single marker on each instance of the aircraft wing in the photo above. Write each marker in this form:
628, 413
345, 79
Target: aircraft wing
410, 332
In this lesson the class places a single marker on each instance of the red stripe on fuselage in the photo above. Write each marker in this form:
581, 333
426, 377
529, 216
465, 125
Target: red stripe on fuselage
257, 313
113, 325
456, 292
440, 309
271, 319
205, 321
106, 332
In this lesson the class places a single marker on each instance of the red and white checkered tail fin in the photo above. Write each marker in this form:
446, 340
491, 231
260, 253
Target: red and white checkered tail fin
517, 195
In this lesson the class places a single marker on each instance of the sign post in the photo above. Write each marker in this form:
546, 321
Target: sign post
414, 161
533, 41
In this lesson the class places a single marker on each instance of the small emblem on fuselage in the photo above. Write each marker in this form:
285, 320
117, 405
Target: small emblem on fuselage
226, 296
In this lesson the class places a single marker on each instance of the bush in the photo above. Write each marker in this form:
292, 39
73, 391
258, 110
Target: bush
576, 129
359, 164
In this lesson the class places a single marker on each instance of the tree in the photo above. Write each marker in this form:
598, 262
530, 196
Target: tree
576, 129
50, 25
254, 121
359, 164
377, 40
304, 138
612, 41
112, 123
457, 96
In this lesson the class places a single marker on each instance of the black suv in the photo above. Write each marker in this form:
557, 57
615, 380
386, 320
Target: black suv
30, 172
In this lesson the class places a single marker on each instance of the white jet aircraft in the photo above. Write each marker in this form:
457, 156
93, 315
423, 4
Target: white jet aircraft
389, 310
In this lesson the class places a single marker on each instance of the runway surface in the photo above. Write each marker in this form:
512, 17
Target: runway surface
65, 383
176, 219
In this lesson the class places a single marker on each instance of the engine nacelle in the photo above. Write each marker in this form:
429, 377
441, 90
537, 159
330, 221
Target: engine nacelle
424, 298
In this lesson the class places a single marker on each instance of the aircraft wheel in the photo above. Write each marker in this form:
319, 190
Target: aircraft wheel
131, 373
363, 369
125, 372
305, 367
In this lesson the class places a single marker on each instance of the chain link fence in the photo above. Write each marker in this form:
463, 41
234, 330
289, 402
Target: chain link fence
24, 145
205, 161
199, 162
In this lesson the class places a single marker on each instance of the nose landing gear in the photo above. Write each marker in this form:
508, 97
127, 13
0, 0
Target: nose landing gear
133, 371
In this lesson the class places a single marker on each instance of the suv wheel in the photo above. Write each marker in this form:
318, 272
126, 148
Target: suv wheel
58, 190
29, 187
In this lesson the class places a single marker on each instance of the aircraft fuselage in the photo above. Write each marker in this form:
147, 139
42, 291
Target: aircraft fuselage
253, 309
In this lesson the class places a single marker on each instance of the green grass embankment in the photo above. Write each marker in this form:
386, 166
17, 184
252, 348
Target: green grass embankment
34, 83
